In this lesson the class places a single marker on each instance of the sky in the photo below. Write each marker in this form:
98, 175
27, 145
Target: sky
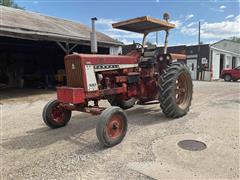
219, 19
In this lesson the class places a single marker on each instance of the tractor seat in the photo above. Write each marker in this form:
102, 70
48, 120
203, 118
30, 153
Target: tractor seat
148, 58
150, 51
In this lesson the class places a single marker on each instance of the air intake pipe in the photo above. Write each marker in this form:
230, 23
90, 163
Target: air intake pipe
94, 48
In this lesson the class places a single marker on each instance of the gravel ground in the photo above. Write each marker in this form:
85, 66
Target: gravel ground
29, 149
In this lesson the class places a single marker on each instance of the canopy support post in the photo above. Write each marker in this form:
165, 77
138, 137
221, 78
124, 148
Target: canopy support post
144, 41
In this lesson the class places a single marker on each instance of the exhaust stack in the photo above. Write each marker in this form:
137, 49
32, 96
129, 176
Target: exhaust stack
94, 48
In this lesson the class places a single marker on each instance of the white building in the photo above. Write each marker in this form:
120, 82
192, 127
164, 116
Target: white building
224, 54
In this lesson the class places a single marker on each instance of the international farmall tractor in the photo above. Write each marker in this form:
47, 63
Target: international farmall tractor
142, 76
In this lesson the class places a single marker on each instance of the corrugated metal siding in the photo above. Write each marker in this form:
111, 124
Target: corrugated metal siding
15, 21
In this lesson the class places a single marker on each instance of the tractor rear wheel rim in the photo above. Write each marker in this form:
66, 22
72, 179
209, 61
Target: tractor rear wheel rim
115, 126
182, 90
58, 114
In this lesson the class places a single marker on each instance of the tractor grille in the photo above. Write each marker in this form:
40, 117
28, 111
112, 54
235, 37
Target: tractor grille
73, 71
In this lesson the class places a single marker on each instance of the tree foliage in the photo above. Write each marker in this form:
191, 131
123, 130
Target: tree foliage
236, 39
11, 3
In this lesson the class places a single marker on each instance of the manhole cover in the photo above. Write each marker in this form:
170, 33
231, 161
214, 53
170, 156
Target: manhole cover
192, 145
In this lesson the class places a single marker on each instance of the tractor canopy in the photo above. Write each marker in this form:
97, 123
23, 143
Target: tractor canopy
143, 25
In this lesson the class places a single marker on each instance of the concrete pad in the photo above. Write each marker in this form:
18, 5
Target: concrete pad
216, 161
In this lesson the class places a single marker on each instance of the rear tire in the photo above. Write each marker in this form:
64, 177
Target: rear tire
55, 116
111, 126
227, 78
176, 90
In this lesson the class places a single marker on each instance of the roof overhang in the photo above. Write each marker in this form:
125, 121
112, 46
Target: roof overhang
143, 25
34, 26
45, 36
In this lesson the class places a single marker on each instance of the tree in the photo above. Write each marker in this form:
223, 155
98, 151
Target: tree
236, 39
11, 3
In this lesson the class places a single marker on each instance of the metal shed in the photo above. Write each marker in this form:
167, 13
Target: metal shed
33, 44
34, 26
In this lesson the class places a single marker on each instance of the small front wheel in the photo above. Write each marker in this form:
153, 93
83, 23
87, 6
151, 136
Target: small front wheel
54, 115
112, 126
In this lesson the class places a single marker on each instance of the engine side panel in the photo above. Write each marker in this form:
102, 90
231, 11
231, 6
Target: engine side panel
73, 68
91, 78
81, 69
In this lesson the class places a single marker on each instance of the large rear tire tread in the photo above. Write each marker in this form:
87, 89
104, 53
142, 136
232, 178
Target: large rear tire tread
48, 120
167, 97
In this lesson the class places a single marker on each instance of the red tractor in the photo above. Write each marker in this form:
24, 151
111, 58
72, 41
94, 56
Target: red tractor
142, 76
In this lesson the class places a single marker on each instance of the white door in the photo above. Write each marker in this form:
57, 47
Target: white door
192, 65
116, 50
215, 65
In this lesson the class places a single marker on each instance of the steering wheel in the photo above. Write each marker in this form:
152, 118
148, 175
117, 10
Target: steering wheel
138, 45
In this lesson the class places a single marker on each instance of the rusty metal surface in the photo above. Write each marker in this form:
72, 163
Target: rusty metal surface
30, 25
178, 56
143, 24
74, 71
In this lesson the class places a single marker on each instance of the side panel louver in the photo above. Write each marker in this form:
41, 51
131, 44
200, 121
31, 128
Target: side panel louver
73, 71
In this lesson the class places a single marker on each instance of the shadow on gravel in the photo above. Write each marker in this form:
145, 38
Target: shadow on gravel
44, 136
11, 93
146, 115
90, 148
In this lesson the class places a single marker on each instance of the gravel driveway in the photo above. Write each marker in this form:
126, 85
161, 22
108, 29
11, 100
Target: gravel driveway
29, 149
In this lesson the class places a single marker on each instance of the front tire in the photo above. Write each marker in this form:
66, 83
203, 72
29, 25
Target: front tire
176, 90
227, 78
112, 126
54, 115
